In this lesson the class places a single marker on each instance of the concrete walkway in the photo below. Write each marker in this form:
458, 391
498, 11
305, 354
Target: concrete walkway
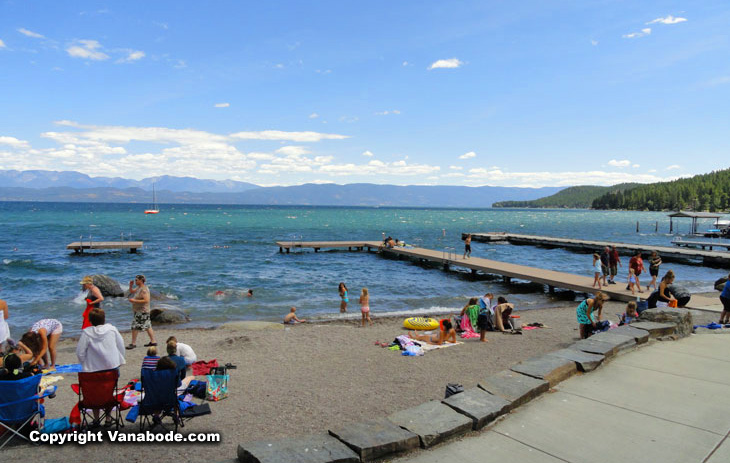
667, 402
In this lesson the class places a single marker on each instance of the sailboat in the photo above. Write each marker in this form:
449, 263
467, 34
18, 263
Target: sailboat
154, 209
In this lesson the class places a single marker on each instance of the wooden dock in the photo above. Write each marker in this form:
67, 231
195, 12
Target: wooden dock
668, 254
317, 245
701, 244
80, 246
552, 279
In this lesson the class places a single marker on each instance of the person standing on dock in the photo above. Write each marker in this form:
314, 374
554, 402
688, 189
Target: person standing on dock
467, 246
614, 262
605, 258
654, 262
637, 264
139, 296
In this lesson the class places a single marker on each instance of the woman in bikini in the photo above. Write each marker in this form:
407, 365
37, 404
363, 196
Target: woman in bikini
447, 333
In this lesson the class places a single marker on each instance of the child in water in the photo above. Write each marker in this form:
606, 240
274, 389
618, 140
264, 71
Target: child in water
365, 307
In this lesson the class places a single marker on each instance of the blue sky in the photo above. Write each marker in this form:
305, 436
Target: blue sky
527, 93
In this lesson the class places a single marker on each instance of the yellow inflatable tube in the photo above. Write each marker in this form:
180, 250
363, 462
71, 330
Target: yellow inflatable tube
421, 323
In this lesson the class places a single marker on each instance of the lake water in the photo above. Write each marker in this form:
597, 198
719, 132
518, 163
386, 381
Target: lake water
191, 252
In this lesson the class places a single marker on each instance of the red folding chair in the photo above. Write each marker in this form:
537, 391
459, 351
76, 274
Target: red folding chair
98, 392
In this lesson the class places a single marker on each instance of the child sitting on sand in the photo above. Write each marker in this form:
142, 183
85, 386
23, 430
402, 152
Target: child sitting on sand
365, 307
291, 317
630, 315
150, 361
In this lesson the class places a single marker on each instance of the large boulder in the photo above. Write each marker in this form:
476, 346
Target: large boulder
720, 284
166, 314
108, 286
681, 317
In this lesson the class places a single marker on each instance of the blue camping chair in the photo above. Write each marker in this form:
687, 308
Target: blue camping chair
19, 404
160, 398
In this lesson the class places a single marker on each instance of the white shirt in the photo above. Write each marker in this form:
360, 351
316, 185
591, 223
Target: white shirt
186, 352
100, 348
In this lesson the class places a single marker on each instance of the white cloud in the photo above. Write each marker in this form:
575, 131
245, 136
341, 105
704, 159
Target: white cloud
279, 66
300, 137
496, 176
594, 42
2, 44
450, 63
132, 56
718, 81
405, 63
615, 163
29, 33
469, 155
385, 113
222, 105
669, 19
87, 49
313, 116
349, 119
673, 167
14, 142
651, 171
293, 151
367, 153
644, 32
455, 167
635, 166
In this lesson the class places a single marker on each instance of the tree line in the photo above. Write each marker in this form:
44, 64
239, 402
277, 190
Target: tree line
706, 192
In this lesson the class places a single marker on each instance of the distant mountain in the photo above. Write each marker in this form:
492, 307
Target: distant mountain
48, 179
575, 197
359, 194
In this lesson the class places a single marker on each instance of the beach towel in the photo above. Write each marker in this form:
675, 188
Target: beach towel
711, 326
4, 330
202, 367
467, 331
48, 380
427, 347
61, 369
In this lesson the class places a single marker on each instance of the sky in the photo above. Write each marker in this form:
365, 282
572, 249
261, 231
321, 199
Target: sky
529, 93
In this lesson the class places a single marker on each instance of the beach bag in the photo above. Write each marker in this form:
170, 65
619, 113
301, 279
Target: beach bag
453, 388
54, 425
217, 387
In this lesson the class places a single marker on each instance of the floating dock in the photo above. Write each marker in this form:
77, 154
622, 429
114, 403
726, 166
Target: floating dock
701, 244
668, 254
317, 245
80, 246
552, 279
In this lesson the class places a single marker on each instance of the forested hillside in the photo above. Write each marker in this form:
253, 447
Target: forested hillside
707, 192
575, 197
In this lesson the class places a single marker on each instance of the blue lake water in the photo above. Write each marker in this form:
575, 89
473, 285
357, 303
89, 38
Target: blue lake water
192, 251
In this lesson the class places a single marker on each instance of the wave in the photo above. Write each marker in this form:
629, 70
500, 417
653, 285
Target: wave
17, 262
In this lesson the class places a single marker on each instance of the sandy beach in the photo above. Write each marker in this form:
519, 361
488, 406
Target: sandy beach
304, 379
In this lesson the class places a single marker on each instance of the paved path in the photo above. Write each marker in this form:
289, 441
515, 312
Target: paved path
667, 402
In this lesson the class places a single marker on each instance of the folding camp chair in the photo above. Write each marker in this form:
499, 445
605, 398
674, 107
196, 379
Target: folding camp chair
98, 392
20, 402
159, 400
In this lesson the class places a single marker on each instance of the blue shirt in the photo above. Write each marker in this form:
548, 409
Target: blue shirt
726, 290
179, 365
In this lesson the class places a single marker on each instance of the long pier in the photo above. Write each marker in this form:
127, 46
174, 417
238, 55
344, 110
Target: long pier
80, 246
715, 258
551, 278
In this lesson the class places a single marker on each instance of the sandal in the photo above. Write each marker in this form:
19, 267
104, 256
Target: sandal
131, 346
150, 344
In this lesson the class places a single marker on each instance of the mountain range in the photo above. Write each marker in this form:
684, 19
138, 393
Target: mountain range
76, 187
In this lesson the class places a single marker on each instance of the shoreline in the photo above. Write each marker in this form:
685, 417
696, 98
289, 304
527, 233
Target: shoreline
295, 380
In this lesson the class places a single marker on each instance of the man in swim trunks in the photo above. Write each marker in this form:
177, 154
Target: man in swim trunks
139, 296
467, 246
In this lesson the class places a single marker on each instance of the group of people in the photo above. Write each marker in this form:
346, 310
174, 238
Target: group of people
605, 268
100, 346
364, 302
